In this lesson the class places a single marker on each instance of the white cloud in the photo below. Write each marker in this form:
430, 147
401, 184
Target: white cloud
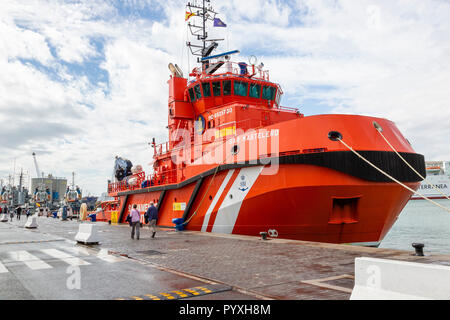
381, 58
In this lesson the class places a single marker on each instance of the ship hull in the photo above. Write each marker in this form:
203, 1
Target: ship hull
312, 188
300, 202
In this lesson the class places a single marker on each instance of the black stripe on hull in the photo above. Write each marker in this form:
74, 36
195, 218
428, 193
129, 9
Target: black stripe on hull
343, 161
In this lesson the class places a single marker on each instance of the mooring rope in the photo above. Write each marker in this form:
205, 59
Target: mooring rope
390, 177
209, 186
201, 201
380, 129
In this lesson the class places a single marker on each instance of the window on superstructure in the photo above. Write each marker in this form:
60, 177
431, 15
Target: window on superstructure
240, 88
216, 88
191, 94
278, 98
268, 93
206, 89
198, 93
255, 90
227, 88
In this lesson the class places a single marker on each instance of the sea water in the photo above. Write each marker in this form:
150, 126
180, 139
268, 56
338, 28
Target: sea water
423, 222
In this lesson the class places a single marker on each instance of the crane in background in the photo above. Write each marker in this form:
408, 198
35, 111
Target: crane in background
38, 173
42, 198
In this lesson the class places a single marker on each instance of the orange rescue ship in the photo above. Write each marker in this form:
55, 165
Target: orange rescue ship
238, 162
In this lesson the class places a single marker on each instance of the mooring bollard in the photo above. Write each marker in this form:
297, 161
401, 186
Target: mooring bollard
263, 235
87, 233
419, 249
31, 222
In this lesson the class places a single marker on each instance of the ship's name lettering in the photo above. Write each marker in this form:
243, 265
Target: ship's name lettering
220, 113
255, 136
140, 207
429, 186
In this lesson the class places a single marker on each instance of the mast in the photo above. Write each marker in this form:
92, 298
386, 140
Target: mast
206, 13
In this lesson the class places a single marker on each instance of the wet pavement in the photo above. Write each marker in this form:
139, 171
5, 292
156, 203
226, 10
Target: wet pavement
36, 264
230, 266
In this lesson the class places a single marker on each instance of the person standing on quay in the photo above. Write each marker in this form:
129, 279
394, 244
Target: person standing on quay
11, 213
152, 216
135, 222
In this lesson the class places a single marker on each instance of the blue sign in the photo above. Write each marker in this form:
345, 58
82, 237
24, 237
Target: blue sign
200, 125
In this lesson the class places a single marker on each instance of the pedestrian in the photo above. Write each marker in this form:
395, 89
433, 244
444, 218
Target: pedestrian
18, 211
152, 216
27, 212
135, 217
11, 213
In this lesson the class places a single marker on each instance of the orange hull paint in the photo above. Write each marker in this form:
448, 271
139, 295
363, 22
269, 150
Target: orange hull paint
294, 203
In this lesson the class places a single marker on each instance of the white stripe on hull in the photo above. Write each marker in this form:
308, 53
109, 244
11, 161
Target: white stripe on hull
231, 205
216, 198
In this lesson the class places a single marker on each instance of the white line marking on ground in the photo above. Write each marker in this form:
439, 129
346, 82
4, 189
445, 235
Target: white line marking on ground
31, 261
73, 261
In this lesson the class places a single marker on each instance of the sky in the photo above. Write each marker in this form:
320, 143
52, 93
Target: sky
83, 81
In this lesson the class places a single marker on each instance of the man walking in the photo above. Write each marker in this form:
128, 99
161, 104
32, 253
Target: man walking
11, 213
18, 211
135, 222
152, 216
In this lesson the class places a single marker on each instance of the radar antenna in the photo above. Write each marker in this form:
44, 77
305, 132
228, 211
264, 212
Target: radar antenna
205, 12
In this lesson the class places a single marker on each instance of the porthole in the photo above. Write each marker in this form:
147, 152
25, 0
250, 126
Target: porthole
235, 149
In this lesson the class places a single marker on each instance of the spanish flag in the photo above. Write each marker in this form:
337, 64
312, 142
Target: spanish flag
188, 15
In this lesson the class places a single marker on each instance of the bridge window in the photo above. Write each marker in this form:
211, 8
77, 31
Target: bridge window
268, 93
216, 88
197, 91
278, 98
206, 89
255, 90
240, 88
227, 88
191, 94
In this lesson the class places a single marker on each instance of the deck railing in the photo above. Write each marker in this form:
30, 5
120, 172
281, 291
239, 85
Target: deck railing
129, 183
233, 68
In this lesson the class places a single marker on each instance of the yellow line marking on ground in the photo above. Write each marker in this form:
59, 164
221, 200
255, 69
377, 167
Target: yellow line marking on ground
168, 296
195, 293
137, 298
181, 294
204, 289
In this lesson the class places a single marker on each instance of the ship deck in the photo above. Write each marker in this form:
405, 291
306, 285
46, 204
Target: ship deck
258, 269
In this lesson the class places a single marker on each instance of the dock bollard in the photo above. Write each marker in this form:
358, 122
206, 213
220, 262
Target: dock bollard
31, 222
263, 235
87, 233
419, 249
